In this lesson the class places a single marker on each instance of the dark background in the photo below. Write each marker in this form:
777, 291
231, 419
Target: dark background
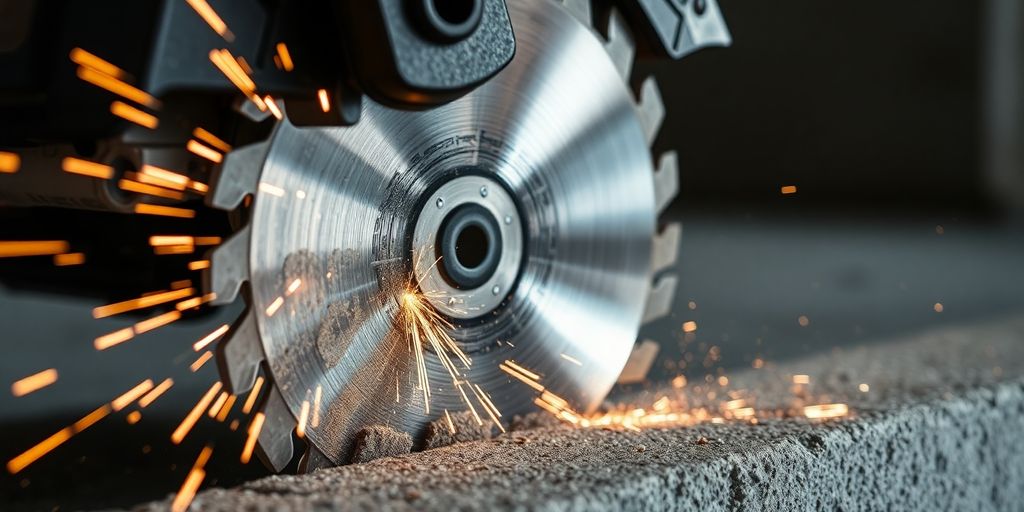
882, 114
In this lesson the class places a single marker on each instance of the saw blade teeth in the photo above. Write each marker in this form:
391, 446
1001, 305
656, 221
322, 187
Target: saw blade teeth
229, 267
666, 246
250, 111
620, 46
659, 300
238, 176
651, 109
275, 446
666, 180
580, 9
702, 30
313, 459
240, 354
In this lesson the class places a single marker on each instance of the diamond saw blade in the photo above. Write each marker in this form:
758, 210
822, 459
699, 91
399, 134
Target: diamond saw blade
525, 211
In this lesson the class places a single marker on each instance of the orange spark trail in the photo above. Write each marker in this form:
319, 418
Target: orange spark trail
115, 338
285, 56
193, 416
198, 363
211, 139
187, 493
300, 429
226, 408
253, 394
130, 113
117, 87
254, 434
212, 19
68, 259
199, 264
155, 393
131, 395
87, 168
34, 382
325, 101
198, 149
167, 211
47, 445
209, 338
32, 248
84, 58
222, 398
143, 302
195, 302
157, 321
150, 190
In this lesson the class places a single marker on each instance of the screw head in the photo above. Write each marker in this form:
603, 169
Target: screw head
439, 202
483, 191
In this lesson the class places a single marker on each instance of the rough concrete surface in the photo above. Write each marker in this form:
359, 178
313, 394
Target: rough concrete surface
941, 428
378, 441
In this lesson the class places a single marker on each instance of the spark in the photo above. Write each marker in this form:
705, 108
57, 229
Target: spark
193, 415
198, 188
162, 177
211, 139
690, 326
69, 259
801, 379
174, 249
285, 56
200, 361
199, 264
84, 58
864, 387
150, 190
32, 248
938, 307
274, 306
523, 378
195, 477
133, 417
300, 429
87, 168
272, 105
155, 393
253, 394
209, 338
788, 189
226, 408
488, 406
34, 453
451, 424
325, 100
208, 153
826, 411
115, 338
292, 287
515, 366
425, 327
155, 322
229, 66
222, 398
195, 302
271, 189
118, 87
254, 433
167, 211
316, 406
210, 16
160, 240
34, 382
9, 162
130, 113
131, 395
571, 359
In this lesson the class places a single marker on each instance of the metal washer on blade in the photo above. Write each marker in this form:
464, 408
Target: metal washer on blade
500, 239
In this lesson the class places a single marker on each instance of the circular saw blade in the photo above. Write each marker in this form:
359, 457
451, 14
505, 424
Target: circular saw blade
328, 246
